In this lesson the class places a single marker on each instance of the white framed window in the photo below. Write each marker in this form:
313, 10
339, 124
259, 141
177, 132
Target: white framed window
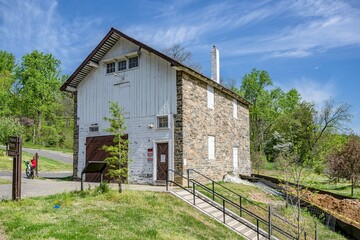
210, 97
110, 67
133, 62
235, 109
163, 121
235, 158
122, 65
211, 146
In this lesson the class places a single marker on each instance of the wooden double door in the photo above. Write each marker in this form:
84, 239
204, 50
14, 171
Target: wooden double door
95, 153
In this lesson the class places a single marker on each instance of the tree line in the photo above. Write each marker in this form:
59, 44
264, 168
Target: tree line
293, 133
31, 103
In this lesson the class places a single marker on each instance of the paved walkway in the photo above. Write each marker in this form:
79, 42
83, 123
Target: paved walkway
216, 214
44, 187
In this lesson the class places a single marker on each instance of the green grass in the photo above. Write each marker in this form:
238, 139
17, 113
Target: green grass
45, 164
4, 181
130, 215
319, 181
59, 149
258, 200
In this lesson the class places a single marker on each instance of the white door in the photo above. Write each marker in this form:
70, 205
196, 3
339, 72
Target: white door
235, 158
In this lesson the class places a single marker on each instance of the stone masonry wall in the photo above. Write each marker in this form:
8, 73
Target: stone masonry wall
178, 129
199, 122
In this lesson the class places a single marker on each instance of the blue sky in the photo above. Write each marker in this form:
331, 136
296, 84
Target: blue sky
313, 46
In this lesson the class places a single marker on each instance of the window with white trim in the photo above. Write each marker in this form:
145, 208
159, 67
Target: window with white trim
235, 158
210, 97
163, 122
235, 109
110, 67
122, 65
133, 62
211, 146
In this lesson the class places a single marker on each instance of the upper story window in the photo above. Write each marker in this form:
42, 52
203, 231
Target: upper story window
122, 65
133, 62
210, 97
211, 147
163, 122
235, 109
110, 67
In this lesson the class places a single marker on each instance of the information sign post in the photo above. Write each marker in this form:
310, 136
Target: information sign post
15, 147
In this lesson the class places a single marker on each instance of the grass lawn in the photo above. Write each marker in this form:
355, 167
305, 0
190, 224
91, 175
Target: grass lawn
45, 164
261, 200
130, 215
314, 180
59, 149
4, 181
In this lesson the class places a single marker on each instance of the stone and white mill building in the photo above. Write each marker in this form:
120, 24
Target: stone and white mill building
176, 117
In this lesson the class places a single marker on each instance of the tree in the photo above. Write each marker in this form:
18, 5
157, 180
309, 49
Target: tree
345, 163
118, 157
7, 64
37, 85
9, 127
180, 54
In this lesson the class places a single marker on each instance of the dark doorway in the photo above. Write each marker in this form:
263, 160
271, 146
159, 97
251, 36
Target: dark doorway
95, 153
162, 160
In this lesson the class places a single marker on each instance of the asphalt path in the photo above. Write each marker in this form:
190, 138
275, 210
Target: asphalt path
44, 187
59, 156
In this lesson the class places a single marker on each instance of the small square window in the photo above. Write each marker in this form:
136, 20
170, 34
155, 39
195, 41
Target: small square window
133, 62
122, 65
110, 67
163, 122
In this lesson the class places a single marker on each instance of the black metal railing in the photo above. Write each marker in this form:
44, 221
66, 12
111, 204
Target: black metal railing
225, 204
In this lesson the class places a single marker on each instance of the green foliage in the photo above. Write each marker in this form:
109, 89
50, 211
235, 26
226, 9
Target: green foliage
118, 157
102, 188
7, 62
37, 87
9, 127
345, 163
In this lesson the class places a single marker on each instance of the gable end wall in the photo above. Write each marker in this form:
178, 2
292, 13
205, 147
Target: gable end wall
199, 122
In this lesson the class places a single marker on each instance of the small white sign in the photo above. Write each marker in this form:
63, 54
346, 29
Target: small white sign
162, 158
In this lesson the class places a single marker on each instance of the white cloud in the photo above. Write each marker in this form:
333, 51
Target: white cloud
312, 90
28, 25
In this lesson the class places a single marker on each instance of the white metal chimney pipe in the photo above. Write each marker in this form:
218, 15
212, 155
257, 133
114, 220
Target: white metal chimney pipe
215, 64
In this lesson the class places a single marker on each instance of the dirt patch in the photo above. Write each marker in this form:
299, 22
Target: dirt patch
264, 198
347, 210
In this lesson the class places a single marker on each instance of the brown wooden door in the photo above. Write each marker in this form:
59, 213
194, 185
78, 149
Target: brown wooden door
95, 153
162, 160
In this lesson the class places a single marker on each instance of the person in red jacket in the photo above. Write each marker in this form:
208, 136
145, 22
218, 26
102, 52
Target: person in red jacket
33, 163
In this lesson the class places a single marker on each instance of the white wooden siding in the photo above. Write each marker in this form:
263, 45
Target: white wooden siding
150, 89
144, 92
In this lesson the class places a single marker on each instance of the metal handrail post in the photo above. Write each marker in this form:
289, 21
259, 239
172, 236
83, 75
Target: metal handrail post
257, 228
188, 177
167, 181
194, 192
224, 210
82, 182
240, 207
269, 222
213, 190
